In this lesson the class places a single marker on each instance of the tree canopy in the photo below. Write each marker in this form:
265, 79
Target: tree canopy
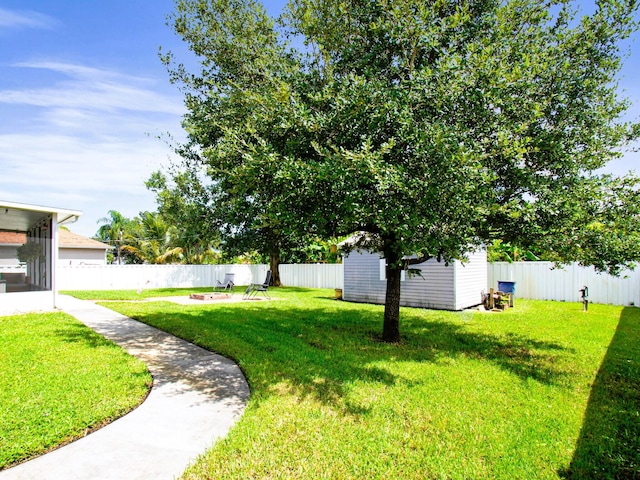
430, 127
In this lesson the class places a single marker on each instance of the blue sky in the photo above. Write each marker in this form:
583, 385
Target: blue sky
84, 97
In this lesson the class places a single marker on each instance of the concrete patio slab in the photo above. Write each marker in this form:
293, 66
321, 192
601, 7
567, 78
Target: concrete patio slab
195, 399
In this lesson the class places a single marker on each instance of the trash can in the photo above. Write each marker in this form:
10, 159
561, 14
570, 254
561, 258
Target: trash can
506, 287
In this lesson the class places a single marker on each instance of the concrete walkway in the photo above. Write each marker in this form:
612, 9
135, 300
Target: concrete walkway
196, 397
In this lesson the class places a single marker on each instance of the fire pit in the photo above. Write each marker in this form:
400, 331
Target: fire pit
209, 296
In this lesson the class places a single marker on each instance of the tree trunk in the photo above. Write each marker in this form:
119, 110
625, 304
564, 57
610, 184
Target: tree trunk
391, 325
274, 265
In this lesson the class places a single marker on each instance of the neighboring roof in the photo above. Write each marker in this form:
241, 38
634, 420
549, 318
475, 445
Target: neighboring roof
66, 239
69, 239
12, 238
20, 217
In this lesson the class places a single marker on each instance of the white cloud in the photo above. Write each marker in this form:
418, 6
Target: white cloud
71, 172
86, 141
88, 88
25, 19
56, 162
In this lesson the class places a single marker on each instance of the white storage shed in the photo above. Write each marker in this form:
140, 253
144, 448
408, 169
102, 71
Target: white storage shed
443, 287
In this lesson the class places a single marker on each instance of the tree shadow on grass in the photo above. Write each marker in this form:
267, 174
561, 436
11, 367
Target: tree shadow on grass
317, 351
609, 442
78, 333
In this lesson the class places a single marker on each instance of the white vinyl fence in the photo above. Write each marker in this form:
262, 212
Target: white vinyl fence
312, 275
127, 277
534, 280
540, 281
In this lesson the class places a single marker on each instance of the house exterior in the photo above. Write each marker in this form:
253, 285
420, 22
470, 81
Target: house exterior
36, 288
444, 287
75, 249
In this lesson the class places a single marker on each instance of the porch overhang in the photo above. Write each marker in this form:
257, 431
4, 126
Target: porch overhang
38, 291
20, 217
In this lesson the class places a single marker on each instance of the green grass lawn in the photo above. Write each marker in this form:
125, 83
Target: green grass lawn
538, 392
58, 381
134, 295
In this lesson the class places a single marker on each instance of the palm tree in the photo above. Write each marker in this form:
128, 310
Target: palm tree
149, 240
112, 231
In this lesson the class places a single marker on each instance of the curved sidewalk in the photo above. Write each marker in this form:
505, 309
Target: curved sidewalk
196, 397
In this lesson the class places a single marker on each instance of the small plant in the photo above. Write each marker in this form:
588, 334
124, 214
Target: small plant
29, 251
505, 252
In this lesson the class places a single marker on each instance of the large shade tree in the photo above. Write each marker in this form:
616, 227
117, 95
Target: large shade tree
207, 215
237, 46
428, 127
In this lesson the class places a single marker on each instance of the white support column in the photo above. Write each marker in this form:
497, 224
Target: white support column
54, 257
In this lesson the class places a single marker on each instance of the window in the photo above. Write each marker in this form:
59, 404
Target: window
383, 271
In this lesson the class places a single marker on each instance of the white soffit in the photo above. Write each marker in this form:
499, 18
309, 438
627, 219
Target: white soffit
21, 217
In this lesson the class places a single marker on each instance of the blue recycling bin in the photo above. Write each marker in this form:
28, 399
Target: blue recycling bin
507, 287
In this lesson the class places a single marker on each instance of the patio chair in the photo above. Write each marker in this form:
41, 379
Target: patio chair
226, 284
253, 289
